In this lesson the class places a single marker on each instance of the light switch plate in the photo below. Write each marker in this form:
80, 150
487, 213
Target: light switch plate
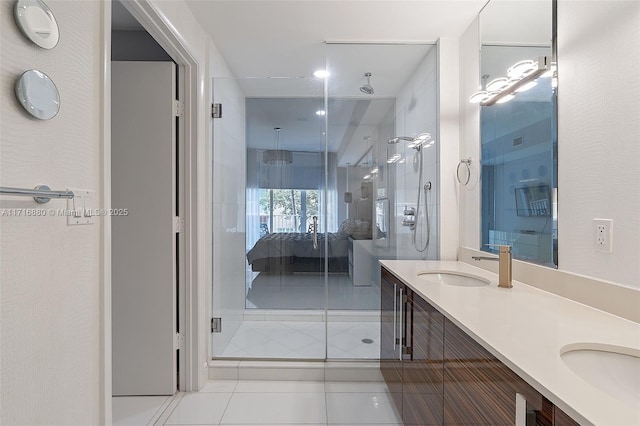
80, 209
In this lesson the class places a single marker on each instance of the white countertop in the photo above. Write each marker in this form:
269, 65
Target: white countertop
526, 328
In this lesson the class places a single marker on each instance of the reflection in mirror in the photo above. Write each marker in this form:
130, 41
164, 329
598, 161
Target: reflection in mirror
37, 23
37, 94
518, 132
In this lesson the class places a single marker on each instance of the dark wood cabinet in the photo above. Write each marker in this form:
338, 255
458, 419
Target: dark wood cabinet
391, 291
479, 389
411, 353
422, 366
439, 375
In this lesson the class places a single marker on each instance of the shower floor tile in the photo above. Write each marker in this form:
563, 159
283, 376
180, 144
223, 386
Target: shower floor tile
300, 339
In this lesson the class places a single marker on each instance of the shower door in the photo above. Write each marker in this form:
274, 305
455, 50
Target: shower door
269, 219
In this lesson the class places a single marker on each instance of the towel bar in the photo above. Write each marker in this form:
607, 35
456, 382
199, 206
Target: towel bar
41, 193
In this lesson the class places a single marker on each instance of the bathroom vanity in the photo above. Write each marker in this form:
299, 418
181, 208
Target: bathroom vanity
458, 350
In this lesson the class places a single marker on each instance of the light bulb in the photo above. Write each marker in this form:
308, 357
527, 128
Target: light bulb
478, 97
521, 68
321, 112
497, 84
321, 74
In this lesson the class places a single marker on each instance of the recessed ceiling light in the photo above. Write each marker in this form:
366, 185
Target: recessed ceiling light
321, 74
321, 112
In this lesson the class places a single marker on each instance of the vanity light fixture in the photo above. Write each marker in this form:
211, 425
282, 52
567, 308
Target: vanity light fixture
504, 99
497, 84
522, 76
520, 69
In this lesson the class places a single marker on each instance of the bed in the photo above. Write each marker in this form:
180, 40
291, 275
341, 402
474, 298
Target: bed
294, 252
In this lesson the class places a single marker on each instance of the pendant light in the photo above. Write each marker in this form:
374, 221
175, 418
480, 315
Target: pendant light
277, 157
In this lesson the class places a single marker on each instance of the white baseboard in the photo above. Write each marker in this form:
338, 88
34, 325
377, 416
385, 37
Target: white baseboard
326, 371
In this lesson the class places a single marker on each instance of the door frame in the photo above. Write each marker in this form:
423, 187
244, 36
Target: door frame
193, 170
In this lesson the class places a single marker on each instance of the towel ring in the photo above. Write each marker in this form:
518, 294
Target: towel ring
466, 170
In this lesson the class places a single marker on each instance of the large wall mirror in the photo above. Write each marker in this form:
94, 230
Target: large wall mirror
519, 131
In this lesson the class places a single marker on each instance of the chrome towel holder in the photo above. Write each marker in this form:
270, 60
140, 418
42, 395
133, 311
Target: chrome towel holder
465, 172
41, 193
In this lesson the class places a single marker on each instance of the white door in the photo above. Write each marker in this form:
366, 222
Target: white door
143, 157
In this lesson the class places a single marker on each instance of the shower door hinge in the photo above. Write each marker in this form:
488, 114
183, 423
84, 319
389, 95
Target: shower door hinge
216, 110
216, 325
178, 341
178, 108
178, 224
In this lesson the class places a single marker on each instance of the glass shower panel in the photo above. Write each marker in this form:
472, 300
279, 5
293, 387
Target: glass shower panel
375, 92
275, 307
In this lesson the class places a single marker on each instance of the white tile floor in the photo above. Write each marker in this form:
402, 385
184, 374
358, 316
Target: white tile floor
305, 339
227, 402
307, 291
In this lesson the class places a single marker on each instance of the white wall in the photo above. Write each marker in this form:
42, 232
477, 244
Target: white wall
469, 196
51, 273
598, 136
449, 144
598, 128
229, 221
416, 112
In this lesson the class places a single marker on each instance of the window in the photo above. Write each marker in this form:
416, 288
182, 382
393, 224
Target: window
287, 210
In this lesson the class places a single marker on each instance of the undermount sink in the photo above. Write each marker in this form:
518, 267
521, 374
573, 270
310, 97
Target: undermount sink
459, 279
613, 369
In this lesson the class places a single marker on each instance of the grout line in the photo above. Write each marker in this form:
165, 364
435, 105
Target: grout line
228, 402
326, 404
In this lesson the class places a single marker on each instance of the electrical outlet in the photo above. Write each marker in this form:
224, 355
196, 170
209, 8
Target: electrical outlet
603, 235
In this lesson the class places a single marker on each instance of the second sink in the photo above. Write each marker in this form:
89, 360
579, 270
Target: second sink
613, 369
459, 279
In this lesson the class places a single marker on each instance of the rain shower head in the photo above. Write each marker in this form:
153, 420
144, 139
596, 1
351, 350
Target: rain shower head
415, 143
367, 89
397, 139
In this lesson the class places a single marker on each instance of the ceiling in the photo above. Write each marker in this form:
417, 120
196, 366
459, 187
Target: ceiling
286, 38
273, 47
294, 38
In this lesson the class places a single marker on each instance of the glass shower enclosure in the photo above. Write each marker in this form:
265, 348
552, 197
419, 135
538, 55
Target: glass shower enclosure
307, 196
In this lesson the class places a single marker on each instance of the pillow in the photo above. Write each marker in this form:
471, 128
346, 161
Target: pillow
345, 227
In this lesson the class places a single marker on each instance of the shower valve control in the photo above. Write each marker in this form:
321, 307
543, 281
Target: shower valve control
409, 217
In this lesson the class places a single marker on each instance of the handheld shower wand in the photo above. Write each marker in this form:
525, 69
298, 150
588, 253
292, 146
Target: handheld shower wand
417, 143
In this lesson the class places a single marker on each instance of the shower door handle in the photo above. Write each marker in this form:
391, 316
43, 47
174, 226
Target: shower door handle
315, 232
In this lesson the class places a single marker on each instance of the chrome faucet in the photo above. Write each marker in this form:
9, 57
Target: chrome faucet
504, 268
